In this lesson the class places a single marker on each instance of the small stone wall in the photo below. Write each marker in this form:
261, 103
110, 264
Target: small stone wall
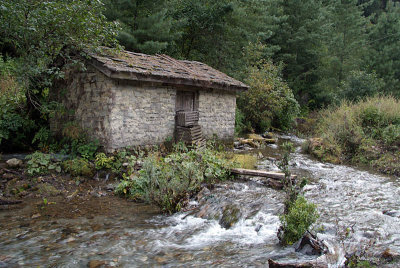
142, 114
217, 113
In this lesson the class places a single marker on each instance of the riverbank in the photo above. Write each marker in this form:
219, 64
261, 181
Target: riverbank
366, 133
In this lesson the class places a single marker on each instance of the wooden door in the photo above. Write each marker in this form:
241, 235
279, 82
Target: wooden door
185, 101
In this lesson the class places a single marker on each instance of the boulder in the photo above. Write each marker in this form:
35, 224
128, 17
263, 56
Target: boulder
268, 135
96, 264
14, 163
230, 216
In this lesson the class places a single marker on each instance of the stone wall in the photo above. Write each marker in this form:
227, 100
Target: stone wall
88, 99
217, 113
143, 114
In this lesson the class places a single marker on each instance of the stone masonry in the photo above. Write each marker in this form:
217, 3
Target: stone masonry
217, 113
121, 113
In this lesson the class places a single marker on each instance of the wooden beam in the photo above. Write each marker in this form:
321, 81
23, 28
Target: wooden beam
260, 173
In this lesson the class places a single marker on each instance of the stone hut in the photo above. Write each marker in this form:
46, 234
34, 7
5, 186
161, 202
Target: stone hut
137, 99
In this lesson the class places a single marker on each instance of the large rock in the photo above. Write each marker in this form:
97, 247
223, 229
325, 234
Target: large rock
14, 163
230, 216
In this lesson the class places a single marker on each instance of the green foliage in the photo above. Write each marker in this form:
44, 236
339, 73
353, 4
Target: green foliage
168, 181
384, 57
78, 167
39, 38
75, 142
42, 138
104, 162
300, 217
298, 214
269, 101
40, 163
146, 26
240, 123
363, 132
360, 84
14, 122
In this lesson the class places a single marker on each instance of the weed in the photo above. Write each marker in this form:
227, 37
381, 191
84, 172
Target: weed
168, 181
40, 163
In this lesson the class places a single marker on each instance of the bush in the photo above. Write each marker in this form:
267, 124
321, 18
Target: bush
301, 215
359, 85
240, 122
168, 181
366, 132
269, 101
40, 163
78, 167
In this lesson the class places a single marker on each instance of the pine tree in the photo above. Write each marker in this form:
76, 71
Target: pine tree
298, 33
384, 38
146, 25
345, 47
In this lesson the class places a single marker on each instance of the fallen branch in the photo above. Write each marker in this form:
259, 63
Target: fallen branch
260, 173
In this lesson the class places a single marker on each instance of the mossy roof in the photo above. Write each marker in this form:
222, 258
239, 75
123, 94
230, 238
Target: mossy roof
163, 69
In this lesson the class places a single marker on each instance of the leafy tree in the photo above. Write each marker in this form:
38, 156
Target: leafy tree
42, 37
203, 25
360, 84
269, 101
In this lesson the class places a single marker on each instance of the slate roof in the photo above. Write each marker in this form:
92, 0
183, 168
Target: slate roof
163, 69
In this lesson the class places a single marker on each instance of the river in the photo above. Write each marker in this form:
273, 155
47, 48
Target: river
359, 212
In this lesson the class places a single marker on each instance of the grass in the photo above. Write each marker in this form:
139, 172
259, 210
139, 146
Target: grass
242, 160
366, 133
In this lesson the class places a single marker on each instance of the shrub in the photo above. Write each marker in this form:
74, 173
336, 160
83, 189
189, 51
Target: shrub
40, 163
360, 84
300, 217
78, 167
240, 125
269, 101
168, 181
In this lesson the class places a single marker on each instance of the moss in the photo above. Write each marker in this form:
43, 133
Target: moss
78, 167
244, 160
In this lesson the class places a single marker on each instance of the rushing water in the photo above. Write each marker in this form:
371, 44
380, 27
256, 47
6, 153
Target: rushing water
358, 210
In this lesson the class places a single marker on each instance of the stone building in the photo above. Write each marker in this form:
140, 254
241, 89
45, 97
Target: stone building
137, 99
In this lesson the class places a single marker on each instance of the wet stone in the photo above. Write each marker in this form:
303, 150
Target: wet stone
96, 264
230, 216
